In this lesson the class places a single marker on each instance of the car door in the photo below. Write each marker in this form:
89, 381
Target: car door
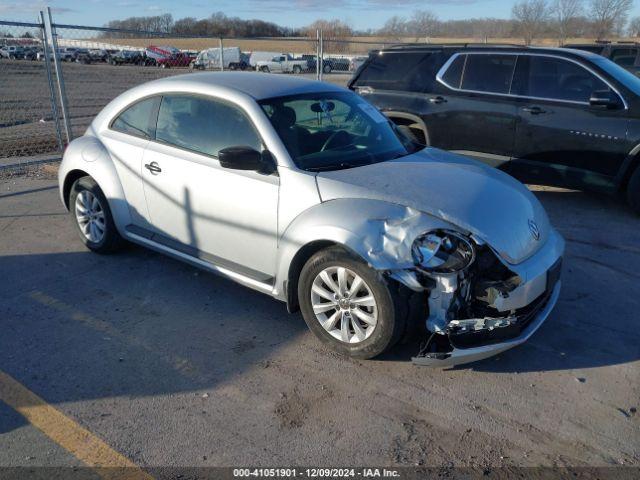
561, 138
126, 138
225, 216
475, 115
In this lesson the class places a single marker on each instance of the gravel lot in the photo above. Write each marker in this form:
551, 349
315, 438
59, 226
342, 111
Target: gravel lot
173, 366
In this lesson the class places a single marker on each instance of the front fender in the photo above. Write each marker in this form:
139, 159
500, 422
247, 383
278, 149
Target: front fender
381, 233
87, 154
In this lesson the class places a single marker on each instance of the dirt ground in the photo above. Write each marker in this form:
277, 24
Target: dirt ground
171, 366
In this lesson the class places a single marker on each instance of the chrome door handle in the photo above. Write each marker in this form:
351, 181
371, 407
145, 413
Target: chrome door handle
533, 110
153, 167
437, 99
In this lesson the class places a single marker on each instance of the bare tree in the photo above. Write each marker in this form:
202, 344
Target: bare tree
394, 27
335, 30
531, 17
423, 24
634, 27
565, 13
609, 16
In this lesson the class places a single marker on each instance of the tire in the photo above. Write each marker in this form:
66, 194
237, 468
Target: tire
633, 191
390, 323
264, 69
326, 68
297, 69
84, 189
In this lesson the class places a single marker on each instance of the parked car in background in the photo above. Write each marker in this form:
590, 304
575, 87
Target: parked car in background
283, 63
545, 115
166, 57
31, 52
625, 54
127, 57
260, 56
304, 191
209, 59
329, 64
12, 52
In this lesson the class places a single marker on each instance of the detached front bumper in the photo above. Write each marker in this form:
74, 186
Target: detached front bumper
459, 356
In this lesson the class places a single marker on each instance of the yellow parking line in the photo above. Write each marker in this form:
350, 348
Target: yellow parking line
77, 440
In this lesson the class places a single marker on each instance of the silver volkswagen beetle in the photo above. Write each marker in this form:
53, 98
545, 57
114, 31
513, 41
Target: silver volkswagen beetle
306, 192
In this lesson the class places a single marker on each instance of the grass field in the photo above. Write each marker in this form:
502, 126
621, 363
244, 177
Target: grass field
356, 45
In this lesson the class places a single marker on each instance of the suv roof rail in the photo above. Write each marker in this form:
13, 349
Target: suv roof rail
399, 46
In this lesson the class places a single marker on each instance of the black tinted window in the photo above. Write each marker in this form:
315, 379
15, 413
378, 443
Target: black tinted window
138, 119
453, 75
488, 73
554, 78
203, 125
412, 71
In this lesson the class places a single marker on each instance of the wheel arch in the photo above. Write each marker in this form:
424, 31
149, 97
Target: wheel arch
414, 122
629, 166
68, 182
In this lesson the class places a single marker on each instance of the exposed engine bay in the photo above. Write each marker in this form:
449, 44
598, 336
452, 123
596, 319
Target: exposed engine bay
482, 303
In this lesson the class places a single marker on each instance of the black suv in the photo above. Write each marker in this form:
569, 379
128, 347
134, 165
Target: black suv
545, 115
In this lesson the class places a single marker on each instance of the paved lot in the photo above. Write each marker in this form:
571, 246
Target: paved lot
172, 366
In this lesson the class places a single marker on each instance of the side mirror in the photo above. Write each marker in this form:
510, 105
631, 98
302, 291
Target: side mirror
604, 98
246, 158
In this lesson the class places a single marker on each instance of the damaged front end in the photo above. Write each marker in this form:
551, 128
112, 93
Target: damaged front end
477, 305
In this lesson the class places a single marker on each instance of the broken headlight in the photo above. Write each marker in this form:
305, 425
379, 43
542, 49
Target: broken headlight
442, 251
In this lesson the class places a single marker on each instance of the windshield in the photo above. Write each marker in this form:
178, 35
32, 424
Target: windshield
329, 131
625, 77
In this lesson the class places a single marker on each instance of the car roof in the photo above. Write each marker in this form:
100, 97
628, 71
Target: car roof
259, 86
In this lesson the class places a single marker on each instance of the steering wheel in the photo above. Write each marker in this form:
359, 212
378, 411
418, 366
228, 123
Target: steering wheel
333, 137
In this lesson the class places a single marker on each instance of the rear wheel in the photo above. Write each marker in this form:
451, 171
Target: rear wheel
348, 305
633, 191
92, 217
297, 69
264, 69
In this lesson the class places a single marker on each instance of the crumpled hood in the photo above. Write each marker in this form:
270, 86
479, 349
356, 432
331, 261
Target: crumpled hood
479, 199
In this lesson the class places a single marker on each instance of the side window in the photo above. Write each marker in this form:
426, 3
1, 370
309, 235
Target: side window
139, 119
488, 73
453, 74
204, 125
554, 78
404, 71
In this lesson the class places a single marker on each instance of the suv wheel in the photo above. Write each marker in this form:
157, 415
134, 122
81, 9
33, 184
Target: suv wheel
348, 305
91, 215
633, 191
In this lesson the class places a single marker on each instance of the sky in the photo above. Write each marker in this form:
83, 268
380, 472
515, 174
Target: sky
360, 14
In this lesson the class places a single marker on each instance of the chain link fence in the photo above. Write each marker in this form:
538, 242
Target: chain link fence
27, 122
47, 99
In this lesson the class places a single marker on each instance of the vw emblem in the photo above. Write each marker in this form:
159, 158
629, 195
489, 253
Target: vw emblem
533, 228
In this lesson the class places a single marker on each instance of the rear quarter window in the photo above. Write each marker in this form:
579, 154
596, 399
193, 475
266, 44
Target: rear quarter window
138, 119
406, 71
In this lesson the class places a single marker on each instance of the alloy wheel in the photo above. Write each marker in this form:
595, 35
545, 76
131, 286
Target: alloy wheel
344, 304
90, 216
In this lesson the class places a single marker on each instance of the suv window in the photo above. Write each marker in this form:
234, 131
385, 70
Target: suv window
554, 78
138, 119
204, 125
453, 75
408, 71
488, 73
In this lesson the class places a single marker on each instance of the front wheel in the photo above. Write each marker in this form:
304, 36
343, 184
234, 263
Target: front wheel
326, 68
348, 305
92, 217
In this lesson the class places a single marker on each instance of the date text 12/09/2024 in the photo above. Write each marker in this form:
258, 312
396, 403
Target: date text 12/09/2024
315, 473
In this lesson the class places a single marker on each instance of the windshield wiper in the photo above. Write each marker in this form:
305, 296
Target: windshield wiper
336, 166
